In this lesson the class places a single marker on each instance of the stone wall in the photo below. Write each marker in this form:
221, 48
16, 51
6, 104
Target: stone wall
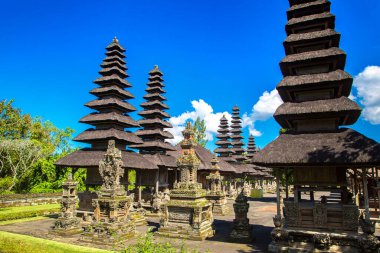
29, 199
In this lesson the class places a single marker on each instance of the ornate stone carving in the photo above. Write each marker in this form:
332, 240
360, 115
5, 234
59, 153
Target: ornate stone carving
322, 241
67, 222
350, 217
320, 215
215, 192
291, 213
241, 227
111, 220
187, 214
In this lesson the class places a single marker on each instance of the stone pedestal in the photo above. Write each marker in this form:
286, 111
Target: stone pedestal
68, 223
187, 214
111, 223
241, 231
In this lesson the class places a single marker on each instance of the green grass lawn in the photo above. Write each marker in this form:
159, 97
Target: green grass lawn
16, 243
20, 212
8, 222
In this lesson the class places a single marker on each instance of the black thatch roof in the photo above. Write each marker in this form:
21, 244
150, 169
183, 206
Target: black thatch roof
111, 103
310, 58
94, 135
86, 158
110, 117
345, 147
341, 108
318, 6
112, 79
149, 146
112, 90
325, 18
338, 80
294, 2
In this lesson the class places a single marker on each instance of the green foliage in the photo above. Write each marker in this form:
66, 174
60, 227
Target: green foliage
15, 243
200, 132
147, 244
29, 147
13, 213
131, 180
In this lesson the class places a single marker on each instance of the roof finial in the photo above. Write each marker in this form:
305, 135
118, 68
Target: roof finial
115, 40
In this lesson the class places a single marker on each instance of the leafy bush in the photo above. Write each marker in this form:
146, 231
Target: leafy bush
5, 184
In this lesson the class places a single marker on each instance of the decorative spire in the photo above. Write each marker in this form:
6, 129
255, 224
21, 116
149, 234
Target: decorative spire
111, 116
236, 138
154, 124
188, 161
223, 142
251, 147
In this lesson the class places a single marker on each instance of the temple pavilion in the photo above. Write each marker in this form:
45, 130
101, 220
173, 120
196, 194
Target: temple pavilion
154, 135
315, 91
110, 121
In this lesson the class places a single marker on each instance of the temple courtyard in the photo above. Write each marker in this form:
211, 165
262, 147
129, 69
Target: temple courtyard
260, 215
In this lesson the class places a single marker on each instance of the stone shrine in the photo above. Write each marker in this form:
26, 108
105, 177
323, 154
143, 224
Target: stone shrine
241, 228
68, 223
188, 214
215, 193
111, 223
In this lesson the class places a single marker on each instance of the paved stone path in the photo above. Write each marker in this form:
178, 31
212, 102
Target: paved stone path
260, 214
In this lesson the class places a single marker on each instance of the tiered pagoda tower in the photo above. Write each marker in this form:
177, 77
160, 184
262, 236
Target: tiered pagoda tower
315, 92
224, 144
251, 147
236, 138
111, 117
153, 133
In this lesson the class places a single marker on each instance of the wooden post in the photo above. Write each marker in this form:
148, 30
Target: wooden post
139, 187
365, 189
278, 193
157, 180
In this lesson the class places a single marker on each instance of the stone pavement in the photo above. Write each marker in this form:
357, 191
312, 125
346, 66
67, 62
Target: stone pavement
260, 214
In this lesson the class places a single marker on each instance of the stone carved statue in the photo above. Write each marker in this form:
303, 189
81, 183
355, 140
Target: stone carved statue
111, 223
241, 227
110, 168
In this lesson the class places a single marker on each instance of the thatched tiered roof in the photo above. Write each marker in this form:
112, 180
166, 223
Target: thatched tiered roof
111, 117
153, 133
251, 147
224, 144
235, 135
315, 90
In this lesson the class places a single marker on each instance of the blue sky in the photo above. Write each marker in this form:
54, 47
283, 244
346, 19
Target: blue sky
223, 52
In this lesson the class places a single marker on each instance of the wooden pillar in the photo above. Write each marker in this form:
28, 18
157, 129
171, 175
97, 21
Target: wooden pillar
140, 178
157, 180
286, 186
278, 193
365, 189
175, 175
357, 190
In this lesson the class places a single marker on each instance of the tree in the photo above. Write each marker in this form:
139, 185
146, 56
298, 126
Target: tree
17, 159
29, 148
200, 132
13, 124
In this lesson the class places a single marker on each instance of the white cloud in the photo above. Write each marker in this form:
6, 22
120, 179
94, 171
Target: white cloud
262, 110
367, 84
202, 110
